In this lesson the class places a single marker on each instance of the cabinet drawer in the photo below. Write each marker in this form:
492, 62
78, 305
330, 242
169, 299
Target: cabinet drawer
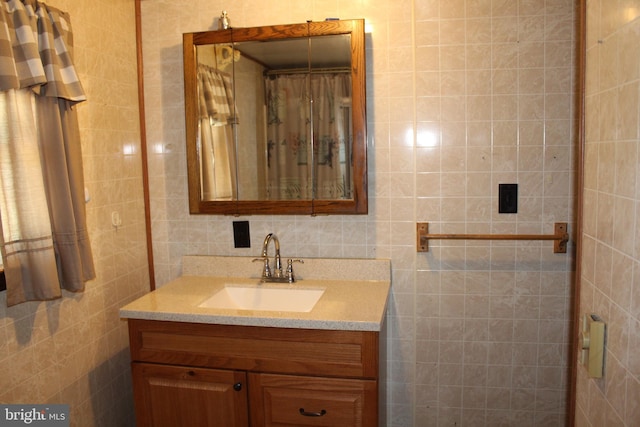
286, 400
274, 350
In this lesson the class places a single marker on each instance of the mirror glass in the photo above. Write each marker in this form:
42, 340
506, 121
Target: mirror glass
276, 119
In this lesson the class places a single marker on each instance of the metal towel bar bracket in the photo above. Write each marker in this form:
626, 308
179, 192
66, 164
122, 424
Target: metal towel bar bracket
560, 238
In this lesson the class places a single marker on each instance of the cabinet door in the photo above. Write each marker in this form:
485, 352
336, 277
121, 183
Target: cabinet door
181, 396
287, 400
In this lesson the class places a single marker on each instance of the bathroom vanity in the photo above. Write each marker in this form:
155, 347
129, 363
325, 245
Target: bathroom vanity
194, 364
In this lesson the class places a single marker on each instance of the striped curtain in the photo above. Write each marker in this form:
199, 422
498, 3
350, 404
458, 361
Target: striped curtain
44, 241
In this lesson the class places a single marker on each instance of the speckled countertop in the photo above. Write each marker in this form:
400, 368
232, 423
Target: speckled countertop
355, 296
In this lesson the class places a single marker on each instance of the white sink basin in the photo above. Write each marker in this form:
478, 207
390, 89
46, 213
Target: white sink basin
264, 297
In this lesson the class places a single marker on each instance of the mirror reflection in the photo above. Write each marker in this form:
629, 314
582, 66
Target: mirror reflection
290, 100
216, 116
275, 123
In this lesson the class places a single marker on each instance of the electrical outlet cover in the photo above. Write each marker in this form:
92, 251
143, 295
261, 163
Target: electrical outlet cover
508, 198
241, 236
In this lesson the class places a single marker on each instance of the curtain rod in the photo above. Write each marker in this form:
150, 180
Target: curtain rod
560, 238
307, 71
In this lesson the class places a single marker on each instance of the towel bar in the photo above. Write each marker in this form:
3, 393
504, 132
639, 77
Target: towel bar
560, 238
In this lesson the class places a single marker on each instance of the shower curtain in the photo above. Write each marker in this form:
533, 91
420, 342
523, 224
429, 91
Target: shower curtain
294, 169
215, 136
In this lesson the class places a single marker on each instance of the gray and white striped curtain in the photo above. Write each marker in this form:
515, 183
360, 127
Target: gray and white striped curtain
44, 240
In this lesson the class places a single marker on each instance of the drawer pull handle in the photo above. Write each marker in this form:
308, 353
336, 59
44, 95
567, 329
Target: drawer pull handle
237, 386
312, 414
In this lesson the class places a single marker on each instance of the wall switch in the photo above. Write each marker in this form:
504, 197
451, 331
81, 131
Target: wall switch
241, 236
507, 198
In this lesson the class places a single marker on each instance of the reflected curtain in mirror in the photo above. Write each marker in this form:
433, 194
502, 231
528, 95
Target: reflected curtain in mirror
294, 169
44, 240
217, 116
288, 137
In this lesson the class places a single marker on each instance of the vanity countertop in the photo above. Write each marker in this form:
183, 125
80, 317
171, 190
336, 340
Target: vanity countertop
347, 303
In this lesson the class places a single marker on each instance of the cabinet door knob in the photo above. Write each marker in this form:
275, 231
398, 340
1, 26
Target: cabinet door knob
237, 386
312, 414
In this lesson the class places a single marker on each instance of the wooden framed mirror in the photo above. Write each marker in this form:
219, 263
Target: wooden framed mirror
276, 119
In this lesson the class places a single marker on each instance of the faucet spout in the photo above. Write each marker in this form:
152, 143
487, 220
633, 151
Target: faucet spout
277, 273
265, 244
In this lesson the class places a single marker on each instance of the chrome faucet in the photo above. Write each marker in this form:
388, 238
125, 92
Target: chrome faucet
267, 274
276, 275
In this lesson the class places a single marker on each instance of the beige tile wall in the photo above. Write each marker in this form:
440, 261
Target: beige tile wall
610, 282
462, 95
75, 350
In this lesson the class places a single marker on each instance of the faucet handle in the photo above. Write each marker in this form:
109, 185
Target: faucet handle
266, 270
290, 276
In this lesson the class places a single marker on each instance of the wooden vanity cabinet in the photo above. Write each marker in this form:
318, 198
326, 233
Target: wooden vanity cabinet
223, 375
